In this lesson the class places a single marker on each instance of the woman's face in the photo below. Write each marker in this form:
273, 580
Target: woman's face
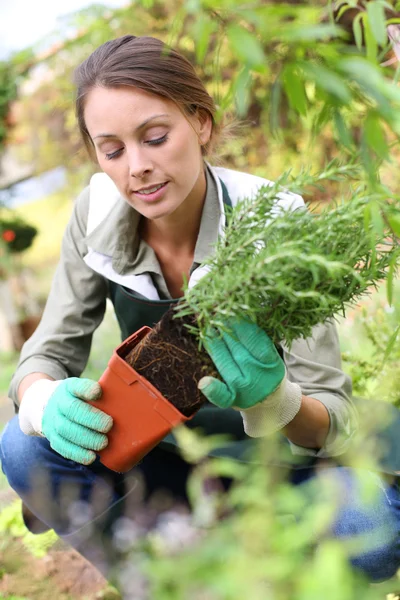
151, 151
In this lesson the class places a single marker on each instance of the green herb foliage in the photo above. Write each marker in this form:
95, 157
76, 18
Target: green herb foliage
289, 270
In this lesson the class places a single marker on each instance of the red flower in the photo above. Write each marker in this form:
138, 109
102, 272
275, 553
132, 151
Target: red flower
8, 235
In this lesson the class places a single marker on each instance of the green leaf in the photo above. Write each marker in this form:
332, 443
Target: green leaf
329, 81
391, 342
294, 88
242, 88
175, 27
377, 22
389, 288
310, 33
203, 29
388, 5
275, 101
369, 77
342, 10
376, 217
374, 135
246, 46
394, 223
357, 30
322, 118
342, 130
196, 446
370, 41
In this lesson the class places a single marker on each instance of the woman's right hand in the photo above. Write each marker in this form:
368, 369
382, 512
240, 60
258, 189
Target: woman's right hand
58, 411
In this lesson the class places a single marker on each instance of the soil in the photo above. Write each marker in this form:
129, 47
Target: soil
170, 359
62, 574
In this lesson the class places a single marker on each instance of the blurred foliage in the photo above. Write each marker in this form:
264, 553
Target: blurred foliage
11, 74
304, 88
17, 234
8, 93
49, 216
372, 357
310, 81
13, 526
265, 539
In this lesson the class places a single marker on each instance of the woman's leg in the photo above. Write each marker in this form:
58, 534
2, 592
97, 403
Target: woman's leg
83, 503
49, 483
366, 515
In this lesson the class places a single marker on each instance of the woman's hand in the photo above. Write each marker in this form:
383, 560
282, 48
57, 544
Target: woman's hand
253, 378
58, 411
248, 363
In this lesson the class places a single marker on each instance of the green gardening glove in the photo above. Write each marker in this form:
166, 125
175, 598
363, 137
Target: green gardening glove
76, 429
249, 364
57, 410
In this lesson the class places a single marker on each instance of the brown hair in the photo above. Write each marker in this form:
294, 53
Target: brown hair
148, 64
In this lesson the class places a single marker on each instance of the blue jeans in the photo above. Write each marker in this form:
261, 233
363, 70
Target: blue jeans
82, 503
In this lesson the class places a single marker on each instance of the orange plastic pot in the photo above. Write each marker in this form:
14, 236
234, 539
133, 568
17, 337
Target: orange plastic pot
142, 416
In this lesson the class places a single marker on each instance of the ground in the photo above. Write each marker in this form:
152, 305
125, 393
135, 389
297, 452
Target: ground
62, 574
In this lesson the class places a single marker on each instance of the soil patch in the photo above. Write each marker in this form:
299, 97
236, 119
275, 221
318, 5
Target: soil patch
62, 574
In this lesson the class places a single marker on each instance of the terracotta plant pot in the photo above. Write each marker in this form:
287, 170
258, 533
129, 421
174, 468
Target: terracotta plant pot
142, 416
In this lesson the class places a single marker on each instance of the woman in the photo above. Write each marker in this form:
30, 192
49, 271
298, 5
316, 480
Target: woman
143, 225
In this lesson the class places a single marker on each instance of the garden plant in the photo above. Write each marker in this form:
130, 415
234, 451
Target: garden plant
285, 270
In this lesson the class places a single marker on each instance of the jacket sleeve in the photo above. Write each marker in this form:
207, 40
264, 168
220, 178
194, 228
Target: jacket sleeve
75, 307
315, 364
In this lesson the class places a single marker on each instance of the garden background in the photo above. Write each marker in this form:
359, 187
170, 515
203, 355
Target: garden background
299, 84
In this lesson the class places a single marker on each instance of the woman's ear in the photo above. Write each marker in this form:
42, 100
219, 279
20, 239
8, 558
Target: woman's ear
204, 127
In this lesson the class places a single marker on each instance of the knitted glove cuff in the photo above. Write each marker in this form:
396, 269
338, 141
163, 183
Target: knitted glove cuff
273, 413
33, 404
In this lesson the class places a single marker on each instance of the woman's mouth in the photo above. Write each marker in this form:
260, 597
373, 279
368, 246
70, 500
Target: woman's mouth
151, 193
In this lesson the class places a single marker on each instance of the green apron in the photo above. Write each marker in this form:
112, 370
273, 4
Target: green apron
133, 311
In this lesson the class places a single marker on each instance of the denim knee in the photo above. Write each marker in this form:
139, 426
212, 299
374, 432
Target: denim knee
374, 521
50, 484
21, 455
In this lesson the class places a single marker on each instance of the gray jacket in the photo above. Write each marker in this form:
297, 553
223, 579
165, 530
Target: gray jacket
101, 243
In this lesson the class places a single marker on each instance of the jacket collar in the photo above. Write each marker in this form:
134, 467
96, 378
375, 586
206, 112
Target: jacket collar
117, 235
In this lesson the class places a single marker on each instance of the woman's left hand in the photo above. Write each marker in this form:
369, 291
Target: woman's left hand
253, 379
248, 363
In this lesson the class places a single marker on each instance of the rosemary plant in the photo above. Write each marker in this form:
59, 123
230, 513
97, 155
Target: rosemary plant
290, 270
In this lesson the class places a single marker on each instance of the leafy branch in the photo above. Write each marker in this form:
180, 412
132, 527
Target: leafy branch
289, 270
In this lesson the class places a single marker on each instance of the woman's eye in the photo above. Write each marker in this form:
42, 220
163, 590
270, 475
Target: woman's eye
157, 141
112, 155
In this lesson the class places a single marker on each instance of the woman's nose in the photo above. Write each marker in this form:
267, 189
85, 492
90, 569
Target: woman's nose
139, 163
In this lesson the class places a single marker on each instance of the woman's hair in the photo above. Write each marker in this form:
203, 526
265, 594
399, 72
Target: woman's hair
148, 64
